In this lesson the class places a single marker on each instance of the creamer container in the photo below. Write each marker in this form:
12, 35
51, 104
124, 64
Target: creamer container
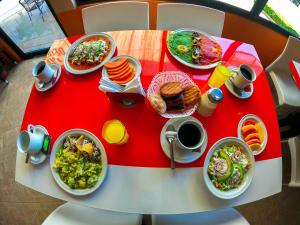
209, 101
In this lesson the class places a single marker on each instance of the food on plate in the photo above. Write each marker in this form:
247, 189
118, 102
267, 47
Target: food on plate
194, 47
191, 95
120, 71
253, 134
228, 166
158, 103
89, 53
172, 94
78, 162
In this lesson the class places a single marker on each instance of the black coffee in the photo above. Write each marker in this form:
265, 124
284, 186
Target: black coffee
189, 135
40, 69
246, 74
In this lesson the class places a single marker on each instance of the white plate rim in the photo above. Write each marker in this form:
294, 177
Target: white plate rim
210, 66
60, 183
235, 192
166, 150
71, 48
256, 118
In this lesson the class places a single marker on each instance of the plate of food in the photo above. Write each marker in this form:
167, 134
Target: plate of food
194, 48
122, 69
78, 162
173, 94
89, 53
253, 131
228, 168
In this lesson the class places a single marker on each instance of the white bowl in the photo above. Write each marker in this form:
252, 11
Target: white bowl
59, 142
247, 178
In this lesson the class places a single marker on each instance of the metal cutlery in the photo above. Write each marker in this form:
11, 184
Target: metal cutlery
171, 137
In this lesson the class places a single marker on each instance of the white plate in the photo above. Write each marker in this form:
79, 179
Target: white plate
39, 157
180, 155
257, 119
59, 142
74, 45
247, 178
132, 62
203, 67
57, 68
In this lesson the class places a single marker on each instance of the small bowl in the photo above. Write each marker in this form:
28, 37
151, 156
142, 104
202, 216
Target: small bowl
247, 177
172, 76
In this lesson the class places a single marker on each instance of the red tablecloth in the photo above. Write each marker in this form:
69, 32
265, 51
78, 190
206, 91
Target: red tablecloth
76, 102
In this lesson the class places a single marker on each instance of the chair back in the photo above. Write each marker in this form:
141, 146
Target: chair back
172, 16
112, 16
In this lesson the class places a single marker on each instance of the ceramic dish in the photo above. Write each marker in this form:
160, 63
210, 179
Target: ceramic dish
247, 177
94, 67
257, 120
40, 157
59, 142
45, 87
191, 65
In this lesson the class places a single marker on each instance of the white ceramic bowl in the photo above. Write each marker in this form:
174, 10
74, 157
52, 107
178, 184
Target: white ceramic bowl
74, 45
247, 178
59, 142
172, 76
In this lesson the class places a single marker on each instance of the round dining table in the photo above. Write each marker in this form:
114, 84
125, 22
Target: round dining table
139, 178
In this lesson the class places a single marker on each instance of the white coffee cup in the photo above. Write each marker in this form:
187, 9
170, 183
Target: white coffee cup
244, 76
43, 72
192, 137
29, 141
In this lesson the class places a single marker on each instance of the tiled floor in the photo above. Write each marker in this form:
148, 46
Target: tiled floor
22, 206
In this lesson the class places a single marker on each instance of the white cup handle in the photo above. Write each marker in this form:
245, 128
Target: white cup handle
31, 128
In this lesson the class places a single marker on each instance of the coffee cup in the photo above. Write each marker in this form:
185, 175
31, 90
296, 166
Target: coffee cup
43, 72
245, 75
29, 141
190, 135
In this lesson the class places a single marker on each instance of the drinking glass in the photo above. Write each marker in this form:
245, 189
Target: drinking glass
220, 75
114, 132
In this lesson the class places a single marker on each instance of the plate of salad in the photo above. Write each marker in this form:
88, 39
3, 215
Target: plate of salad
194, 49
228, 168
78, 162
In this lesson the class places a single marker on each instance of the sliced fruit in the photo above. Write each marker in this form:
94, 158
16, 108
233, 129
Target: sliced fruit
249, 122
251, 136
122, 76
253, 141
118, 68
255, 147
229, 164
115, 64
127, 80
248, 129
120, 73
260, 131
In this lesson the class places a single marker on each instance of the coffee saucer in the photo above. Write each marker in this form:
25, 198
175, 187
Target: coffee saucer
41, 86
39, 157
239, 93
181, 155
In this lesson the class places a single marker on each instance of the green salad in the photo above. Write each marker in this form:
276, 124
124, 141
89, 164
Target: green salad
78, 162
228, 167
180, 44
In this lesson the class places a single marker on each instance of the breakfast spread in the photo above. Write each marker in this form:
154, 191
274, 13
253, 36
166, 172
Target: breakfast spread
253, 134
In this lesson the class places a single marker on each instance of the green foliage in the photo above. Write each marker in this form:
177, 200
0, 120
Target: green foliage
278, 19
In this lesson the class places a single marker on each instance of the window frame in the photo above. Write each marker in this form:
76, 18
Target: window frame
253, 14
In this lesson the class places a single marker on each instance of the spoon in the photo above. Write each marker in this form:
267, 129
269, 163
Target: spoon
171, 137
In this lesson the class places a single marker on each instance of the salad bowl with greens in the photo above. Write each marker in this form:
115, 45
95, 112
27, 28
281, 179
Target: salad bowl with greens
78, 162
228, 168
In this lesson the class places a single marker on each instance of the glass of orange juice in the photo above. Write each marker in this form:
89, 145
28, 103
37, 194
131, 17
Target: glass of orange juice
220, 75
114, 132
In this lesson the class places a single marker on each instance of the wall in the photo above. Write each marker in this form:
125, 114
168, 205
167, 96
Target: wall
11, 52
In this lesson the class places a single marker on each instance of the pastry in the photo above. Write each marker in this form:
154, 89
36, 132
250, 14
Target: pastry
175, 102
158, 103
171, 89
191, 95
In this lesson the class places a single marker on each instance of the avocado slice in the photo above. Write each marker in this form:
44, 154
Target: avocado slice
224, 155
240, 169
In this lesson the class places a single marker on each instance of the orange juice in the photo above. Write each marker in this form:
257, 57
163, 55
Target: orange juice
220, 75
114, 132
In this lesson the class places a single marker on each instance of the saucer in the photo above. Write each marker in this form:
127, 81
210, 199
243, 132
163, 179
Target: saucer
242, 94
180, 156
39, 157
57, 68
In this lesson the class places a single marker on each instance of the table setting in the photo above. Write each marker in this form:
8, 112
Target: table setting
153, 122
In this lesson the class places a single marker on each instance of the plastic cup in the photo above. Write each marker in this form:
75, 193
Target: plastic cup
220, 75
114, 132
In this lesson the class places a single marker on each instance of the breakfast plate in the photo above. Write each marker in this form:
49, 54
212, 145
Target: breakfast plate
78, 162
89, 53
180, 155
259, 132
194, 48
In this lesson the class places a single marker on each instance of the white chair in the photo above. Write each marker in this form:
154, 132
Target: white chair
287, 99
114, 16
172, 16
71, 214
228, 216
294, 146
